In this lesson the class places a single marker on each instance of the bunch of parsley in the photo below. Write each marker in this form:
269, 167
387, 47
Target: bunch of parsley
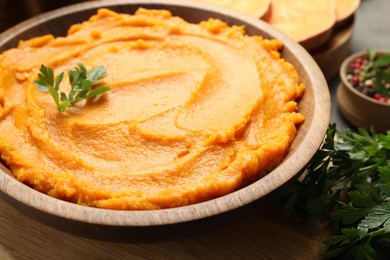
347, 182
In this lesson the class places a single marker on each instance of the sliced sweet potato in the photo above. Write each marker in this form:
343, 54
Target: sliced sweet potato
309, 22
255, 8
345, 10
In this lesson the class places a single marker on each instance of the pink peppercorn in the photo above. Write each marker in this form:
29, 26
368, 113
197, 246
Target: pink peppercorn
380, 98
356, 65
355, 80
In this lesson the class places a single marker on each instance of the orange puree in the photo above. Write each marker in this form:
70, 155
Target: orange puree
195, 111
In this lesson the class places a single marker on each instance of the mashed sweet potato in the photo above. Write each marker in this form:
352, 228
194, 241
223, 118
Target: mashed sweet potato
195, 111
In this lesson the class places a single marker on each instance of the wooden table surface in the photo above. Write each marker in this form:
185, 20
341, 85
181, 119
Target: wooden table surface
262, 233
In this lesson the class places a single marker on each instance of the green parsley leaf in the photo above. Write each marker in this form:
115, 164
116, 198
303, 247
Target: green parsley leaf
347, 235
347, 182
384, 175
372, 54
81, 81
382, 61
378, 217
96, 74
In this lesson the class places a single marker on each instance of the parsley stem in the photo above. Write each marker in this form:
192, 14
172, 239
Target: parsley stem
376, 232
81, 82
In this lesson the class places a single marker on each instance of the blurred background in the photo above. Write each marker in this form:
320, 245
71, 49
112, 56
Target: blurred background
15, 11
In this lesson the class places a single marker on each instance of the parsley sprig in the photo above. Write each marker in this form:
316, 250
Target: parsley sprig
81, 82
348, 183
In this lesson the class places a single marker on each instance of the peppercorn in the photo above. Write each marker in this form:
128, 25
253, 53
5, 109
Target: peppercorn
362, 76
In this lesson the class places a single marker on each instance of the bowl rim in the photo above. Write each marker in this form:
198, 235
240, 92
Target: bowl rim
346, 83
307, 146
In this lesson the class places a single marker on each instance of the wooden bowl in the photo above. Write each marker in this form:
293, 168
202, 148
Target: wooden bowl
357, 108
171, 223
